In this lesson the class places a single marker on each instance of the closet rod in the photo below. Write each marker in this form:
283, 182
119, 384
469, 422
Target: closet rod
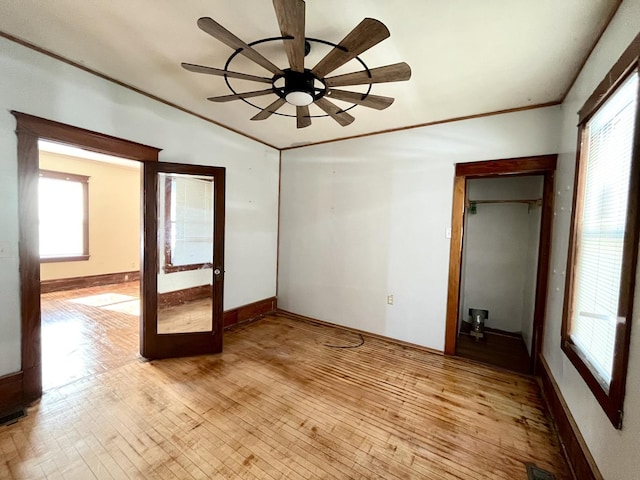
535, 201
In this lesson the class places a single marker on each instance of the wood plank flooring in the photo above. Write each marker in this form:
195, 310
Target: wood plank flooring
88, 331
194, 316
279, 403
504, 351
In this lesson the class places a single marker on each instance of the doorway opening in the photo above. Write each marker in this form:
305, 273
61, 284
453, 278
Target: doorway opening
89, 218
154, 342
502, 214
29, 131
499, 266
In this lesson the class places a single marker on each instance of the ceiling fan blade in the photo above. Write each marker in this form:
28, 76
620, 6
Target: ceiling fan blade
267, 112
237, 96
290, 15
302, 117
372, 101
398, 72
368, 33
218, 32
343, 118
217, 71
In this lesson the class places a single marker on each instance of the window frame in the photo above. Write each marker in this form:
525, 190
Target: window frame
84, 181
611, 399
168, 267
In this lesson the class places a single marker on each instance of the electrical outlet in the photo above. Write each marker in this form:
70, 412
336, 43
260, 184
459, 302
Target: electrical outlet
5, 249
390, 299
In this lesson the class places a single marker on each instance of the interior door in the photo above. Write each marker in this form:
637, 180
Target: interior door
183, 264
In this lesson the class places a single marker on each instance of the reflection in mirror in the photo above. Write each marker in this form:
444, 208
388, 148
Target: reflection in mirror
185, 243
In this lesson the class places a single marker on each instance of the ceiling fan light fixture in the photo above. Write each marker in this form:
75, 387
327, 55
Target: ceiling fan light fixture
299, 98
299, 86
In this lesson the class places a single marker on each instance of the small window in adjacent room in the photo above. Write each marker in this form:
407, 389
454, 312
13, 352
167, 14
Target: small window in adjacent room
63, 215
604, 242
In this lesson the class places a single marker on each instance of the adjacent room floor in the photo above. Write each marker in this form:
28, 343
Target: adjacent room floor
499, 349
88, 331
280, 403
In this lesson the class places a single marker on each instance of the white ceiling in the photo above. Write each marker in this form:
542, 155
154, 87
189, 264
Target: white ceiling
468, 57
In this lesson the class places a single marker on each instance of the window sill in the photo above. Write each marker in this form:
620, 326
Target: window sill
73, 258
184, 268
610, 405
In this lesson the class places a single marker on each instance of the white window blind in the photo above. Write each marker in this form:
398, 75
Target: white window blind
61, 216
608, 146
191, 220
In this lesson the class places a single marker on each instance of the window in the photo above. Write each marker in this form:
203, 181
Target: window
63, 216
604, 240
188, 243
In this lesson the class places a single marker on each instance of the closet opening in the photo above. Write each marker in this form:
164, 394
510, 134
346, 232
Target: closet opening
498, 270
499, 261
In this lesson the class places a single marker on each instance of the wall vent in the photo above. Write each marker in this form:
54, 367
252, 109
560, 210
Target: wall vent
12, 418
535, 473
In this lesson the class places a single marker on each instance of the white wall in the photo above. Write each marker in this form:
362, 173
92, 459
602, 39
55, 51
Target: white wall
364, 218
615, 452
35, 84
498, 251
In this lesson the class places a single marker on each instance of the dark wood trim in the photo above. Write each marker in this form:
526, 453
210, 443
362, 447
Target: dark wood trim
249, 312
218, 252
544, 264
625, 64
75, 258
628, 274
537, 165
29, 130
186, 295
84, 68
429, 124
29, 259
74, 283
455, 264
302, 318
610, 398
87, 139
150, 258
279, 222
11, 396
540, 165
593, 46
577, 453
185, 268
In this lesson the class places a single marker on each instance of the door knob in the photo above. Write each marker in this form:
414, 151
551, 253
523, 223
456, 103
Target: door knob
217, 271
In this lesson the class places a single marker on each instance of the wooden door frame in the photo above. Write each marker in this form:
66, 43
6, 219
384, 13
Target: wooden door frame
544, 165
30, 129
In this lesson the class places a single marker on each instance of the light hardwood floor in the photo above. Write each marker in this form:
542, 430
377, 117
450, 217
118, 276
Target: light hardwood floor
279, 403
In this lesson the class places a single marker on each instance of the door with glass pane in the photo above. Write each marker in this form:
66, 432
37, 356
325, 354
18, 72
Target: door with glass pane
183, 260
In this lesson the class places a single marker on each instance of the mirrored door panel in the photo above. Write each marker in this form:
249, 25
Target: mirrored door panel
184, 225
185, 278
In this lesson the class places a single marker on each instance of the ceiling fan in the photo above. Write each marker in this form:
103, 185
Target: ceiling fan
300, 86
